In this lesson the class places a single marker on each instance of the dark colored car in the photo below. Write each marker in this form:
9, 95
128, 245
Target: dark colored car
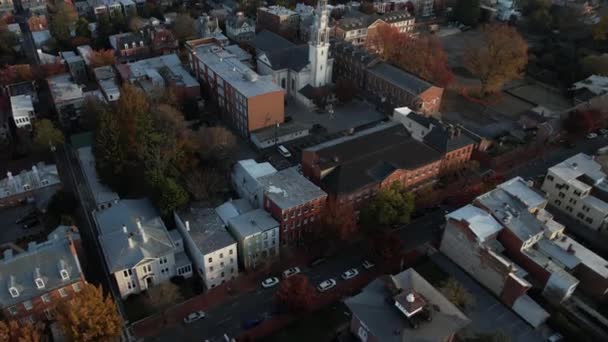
31, 223
250, 323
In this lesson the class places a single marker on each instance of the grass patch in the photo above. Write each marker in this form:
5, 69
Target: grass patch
325, 323
432, 273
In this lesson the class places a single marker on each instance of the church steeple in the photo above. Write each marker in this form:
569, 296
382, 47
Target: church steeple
319, 45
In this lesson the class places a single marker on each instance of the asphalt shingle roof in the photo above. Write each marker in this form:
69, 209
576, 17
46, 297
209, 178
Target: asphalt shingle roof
400, 78
268, 41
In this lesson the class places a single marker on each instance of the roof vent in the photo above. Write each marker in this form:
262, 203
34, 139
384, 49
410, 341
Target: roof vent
574, 165
8, 254
410, 298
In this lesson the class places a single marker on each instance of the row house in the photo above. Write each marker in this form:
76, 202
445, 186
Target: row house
129, 47
450, 140
249, 101
111, 8
383, 82
257, 234
138, 249
35, 280
356, 28
277, 19
353, 168
578, 187
210, 246
22, 110
294, 201
37, 184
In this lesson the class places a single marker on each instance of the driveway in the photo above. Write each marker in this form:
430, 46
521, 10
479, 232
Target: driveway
11, 231
488, 314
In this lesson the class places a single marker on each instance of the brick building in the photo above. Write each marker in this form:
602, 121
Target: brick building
129, 47
34, 281
451, 141
353, 168
249, 101
383, 82
277, 19
294, 201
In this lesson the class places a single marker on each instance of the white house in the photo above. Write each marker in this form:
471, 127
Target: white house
579, 188
212, 249
240, 28
22, 109
103, 196
245, 175
257, 234
137, 247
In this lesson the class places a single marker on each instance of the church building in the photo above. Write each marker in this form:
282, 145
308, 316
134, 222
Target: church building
300, 70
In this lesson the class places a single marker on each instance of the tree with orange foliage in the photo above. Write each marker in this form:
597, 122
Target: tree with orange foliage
37, 23
52, 69
101, 58
296, 293
13, 331
422, 56
16, 73
498, 57
339, 220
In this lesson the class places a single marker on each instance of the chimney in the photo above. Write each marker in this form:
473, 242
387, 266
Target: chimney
143, 234
141, 43
126, 46
36, 174
55, 236
31, 246
134, 45
410, 298
187, 226
570, 249
124, 229
8, 254
131, 241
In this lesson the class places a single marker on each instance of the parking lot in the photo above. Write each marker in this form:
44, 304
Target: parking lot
12, 231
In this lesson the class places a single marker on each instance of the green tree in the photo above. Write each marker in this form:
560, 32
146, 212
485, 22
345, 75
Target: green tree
104, 30
119, 22
457, 294
90, 316
467, 12
170, 195
46, 135
162, 296
82, 28
392, 205
183, 28
62, 18
110, 153
7, 40
595, 65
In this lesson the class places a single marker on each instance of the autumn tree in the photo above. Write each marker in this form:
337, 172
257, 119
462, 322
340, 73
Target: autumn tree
52, 69
367, 7
162, 296
595, 65
37, 23
82, 28
585, 121
498, 57
206, 183
101, 58
467, 12
339, 220
600, 30
62, 17
392, 205
184, 29
90, 316
216, 142
46, 135
7, 40
14, 331
296, 293
456, 293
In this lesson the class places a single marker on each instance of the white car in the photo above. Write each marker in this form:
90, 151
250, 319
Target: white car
270, 282
349, 274
290, 272
195, 316
368, 264
326, 285
557, 337
603, 131
284, 151
591, 135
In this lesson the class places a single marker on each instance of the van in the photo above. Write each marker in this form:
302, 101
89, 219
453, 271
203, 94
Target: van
284, 152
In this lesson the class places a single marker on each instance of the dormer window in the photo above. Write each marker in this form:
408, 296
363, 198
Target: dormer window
64, 275
39, 283
14, 292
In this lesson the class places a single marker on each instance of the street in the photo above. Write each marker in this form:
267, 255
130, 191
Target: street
229, 317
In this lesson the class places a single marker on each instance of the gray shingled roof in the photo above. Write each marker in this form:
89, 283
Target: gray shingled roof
288, 188
253, 222
206, 229
48, 258
267, 41
294, 58
383, 319
400, 78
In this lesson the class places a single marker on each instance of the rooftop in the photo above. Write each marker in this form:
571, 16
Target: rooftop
583, 171
21, 105
233, 208
167, 66
570, 249
227, 66
101, 193
132, 231
286, 128
64, 89
400, 78
277, 10
387, 323
38, 177
288, 188
253, 222
482, 224
596, 84
206, 228
267, 41
519, 188
40, 260
106, 76
369, 156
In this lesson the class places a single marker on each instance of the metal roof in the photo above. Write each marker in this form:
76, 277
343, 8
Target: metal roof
482, 224
252, 223
207, 229
288, 188
400, 78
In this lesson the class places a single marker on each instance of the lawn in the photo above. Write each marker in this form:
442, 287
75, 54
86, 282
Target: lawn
326, 323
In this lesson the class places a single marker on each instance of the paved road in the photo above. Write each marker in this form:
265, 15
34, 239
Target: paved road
228, 318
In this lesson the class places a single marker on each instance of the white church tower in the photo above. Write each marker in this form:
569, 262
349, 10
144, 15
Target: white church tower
318, 49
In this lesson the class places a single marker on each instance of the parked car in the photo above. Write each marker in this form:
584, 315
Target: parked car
290, 272
250, 323
368, 264
591, 136
31, 223
326, 285
557, 337
270, 282
349, 274
284, 151
194, 316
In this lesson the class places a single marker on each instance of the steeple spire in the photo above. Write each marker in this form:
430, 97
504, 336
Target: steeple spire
318, 46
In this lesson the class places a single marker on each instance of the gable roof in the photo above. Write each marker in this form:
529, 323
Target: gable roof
400, 78
294, 58
267, 41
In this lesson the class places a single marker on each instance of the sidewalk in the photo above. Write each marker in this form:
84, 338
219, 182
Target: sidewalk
211, 298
